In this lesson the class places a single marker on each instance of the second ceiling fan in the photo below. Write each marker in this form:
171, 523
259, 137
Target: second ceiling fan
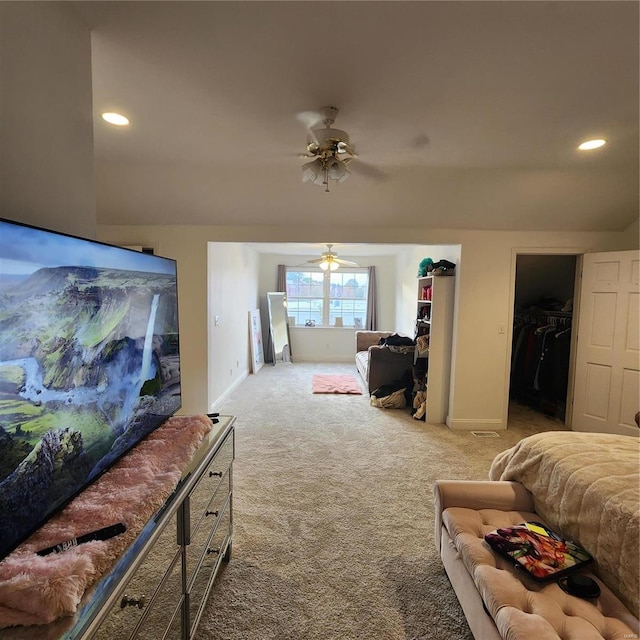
330, 261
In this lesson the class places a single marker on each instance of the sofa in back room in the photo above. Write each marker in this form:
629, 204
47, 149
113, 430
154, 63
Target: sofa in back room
380, 365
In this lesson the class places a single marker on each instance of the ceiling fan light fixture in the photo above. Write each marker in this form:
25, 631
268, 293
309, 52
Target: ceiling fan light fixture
329, 264
331, 146
311, 171
337, 169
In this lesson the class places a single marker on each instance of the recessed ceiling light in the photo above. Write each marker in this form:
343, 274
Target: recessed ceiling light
115, 118
592, 144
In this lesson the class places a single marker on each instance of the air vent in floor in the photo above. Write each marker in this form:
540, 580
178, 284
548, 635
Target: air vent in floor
485, 434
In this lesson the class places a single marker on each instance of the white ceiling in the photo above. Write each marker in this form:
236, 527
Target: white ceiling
342, 249
471, 112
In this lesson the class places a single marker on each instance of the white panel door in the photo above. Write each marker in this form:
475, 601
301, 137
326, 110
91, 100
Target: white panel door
607, 380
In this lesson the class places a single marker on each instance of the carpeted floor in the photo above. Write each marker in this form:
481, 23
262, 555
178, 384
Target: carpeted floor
333, 515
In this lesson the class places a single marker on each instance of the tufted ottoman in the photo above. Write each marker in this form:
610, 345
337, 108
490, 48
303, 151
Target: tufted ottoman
498, 601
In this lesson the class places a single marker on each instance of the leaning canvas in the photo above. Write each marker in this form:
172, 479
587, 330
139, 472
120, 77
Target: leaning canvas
257, 352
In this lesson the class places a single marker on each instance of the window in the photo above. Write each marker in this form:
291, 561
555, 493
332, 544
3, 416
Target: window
322, 297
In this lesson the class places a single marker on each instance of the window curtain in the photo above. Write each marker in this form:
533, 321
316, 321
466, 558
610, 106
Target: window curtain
281, 280
371, 323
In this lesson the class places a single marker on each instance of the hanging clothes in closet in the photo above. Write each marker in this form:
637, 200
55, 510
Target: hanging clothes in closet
540, 361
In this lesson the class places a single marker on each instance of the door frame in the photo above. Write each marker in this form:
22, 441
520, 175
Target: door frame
578, 252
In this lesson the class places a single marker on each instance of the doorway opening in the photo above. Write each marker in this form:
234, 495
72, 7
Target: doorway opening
542, 340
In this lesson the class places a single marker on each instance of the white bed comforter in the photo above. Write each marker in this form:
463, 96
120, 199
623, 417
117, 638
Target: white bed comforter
587, 486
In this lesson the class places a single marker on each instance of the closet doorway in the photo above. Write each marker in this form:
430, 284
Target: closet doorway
542, 340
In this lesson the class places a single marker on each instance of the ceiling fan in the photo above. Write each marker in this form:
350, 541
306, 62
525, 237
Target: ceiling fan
330, 261
331, 149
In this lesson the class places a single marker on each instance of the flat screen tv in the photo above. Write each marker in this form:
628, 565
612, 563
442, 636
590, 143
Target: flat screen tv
89, 365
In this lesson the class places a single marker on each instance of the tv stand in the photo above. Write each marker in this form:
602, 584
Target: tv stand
160, 585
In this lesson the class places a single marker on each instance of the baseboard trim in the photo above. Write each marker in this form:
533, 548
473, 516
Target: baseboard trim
229, 390
475, 425
336, 359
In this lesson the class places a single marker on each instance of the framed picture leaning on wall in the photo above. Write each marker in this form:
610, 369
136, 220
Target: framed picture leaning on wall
257, 352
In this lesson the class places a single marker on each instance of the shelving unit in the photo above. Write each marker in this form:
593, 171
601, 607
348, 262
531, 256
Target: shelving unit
432, 364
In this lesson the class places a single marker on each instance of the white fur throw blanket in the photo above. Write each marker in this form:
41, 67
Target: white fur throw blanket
587, 486
38, 589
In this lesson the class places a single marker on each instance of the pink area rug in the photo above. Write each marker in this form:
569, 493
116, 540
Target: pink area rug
335, 384
38, 589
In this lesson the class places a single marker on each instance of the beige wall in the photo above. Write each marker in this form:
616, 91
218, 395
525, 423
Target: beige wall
632, 236
216, 277
484, 299
47, 179
46, 128
232, 291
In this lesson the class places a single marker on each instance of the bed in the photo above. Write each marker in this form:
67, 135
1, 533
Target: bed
588, 485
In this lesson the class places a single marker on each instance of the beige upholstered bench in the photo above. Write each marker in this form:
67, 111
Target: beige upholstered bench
499, 602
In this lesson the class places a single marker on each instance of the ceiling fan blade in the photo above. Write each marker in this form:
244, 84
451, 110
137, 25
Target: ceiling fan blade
332, 256
367, 170
310, 119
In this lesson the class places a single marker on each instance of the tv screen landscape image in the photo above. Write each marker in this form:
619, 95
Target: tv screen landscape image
89, 365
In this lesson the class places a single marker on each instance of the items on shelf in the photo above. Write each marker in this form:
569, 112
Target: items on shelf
422, 344
424, 313
420, 405
428, 267
424, 267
